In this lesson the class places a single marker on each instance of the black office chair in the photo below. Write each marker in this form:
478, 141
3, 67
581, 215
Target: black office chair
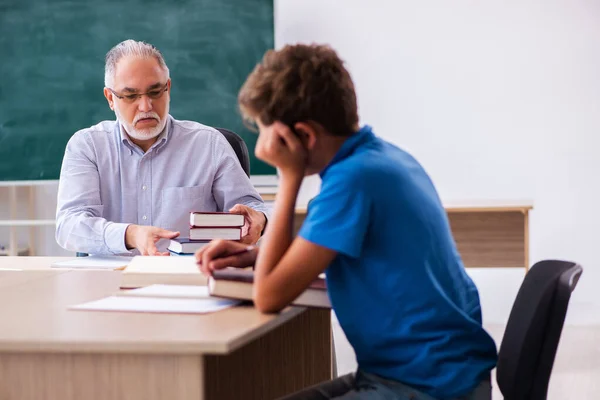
240, 149
528, 348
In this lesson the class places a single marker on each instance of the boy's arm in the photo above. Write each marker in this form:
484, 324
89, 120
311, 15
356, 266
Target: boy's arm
300, 266
337, 223
284, 269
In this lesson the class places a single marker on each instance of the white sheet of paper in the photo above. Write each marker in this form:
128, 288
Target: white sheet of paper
171, 291
157, 305
94, 262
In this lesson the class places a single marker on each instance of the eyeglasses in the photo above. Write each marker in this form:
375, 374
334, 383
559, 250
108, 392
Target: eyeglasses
132, 98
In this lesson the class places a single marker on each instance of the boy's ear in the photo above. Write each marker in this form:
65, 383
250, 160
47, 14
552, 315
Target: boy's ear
306, 133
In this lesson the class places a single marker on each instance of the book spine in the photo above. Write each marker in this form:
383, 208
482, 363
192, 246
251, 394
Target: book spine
229, 234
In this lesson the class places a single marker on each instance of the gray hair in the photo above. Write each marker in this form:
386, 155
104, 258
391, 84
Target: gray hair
130, 48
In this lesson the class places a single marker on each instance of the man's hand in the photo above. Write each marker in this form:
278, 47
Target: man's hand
254, 223
219, 254
144, 239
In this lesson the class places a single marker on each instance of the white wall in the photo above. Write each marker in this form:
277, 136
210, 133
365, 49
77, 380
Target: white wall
498, 100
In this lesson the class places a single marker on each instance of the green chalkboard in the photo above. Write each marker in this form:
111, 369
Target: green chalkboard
52, 68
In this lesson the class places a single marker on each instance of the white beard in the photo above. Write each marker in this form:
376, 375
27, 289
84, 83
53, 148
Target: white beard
146, 133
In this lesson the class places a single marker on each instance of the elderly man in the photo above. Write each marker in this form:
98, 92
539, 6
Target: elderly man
128, 183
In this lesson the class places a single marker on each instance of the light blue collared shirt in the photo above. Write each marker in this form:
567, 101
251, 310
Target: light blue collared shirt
107, 182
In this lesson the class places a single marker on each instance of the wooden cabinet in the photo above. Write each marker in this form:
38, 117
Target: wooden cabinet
487, 234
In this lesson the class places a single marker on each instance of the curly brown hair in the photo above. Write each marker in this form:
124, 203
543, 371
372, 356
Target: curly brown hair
301, 83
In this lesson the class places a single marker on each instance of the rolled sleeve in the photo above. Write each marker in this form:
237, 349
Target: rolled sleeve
114, 237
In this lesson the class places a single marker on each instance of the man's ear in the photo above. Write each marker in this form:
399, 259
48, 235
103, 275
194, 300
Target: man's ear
109, 97
307, 134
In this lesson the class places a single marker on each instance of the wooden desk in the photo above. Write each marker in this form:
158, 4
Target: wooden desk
491, 234
49, 352
31, 263
487, 234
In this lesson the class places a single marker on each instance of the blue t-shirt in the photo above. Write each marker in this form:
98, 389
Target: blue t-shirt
398, 285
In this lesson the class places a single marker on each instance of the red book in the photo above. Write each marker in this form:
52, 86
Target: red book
216, 219
210, 233
234, 283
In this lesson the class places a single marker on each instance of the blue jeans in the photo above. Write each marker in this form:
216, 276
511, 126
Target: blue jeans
362, 385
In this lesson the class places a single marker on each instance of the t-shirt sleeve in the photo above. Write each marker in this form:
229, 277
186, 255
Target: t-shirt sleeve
338, 217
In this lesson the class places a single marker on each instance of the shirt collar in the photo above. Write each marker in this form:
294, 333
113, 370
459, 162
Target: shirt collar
160, 141
358, 138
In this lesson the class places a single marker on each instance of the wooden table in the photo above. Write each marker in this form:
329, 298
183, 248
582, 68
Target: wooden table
49, 352
492, 234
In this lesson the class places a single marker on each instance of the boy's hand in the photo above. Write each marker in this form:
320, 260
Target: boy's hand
278, 146
144, 239
219, 254
254, 223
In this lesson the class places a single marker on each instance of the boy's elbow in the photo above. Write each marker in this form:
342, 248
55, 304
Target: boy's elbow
266, 302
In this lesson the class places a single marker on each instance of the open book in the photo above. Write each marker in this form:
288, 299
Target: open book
236, 283
149, 270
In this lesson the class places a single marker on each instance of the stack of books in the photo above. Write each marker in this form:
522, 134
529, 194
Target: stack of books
204, 227
234, 283
228, 283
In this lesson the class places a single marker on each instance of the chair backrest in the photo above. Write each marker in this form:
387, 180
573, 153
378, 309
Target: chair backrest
528, 348
240, 148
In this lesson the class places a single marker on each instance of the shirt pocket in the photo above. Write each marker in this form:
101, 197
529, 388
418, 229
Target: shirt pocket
178, 202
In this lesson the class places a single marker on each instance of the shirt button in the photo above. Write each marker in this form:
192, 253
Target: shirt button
144, 218
144, 187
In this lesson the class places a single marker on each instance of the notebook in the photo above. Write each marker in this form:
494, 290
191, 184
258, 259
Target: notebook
169, 291
95, 262
156, 305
